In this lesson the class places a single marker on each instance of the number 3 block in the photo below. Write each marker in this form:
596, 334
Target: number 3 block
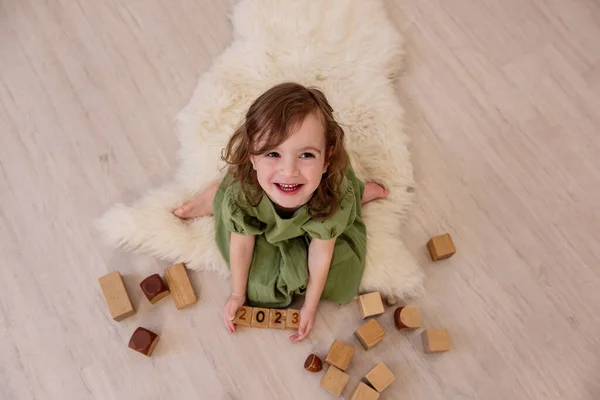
293, 319
260, 317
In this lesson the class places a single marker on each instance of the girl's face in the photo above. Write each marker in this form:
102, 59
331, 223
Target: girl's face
290, 173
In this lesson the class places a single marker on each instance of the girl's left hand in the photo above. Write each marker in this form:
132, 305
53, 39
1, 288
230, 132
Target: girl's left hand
307, 321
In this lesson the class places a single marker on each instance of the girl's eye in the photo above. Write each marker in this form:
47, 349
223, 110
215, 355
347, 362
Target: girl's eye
272, 154
307, 155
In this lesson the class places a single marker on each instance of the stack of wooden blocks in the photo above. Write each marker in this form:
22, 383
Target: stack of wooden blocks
154, 288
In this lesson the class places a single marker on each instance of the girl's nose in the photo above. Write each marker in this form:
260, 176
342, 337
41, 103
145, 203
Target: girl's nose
290, 168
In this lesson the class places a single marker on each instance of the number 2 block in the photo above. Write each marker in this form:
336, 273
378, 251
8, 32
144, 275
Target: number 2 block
260, 317
277, 319
243, 316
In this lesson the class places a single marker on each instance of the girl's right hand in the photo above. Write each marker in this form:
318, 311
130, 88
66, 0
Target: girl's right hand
233, 303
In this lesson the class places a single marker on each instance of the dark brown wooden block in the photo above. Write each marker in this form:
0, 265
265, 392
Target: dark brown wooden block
154, 288
407, 317
143, 341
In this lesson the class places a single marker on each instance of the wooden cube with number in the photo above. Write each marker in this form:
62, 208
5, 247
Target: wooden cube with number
260, 317
364, 392
243, 316
292, 319
334, 381
277, 318
369, 334
380, 377
370, 304
340, 355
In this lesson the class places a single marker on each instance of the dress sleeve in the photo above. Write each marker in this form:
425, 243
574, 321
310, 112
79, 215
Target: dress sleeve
237, 218
335, 225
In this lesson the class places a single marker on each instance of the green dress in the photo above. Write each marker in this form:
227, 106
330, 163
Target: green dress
279, 267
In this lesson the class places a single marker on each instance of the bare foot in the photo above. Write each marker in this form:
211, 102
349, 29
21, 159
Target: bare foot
200, 206
374, 191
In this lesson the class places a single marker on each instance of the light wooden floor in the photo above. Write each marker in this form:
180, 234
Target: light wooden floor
504, 109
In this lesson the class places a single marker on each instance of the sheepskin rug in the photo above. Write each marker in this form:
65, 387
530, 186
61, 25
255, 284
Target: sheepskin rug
351, 51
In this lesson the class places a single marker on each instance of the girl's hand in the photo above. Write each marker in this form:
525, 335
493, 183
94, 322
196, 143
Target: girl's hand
307, 321
233, 303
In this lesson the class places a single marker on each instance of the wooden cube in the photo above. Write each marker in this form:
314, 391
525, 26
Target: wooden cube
364, 392
143, 341
441, 247
180, 286
243, 316
407, 317
436, 340
277, 319
370, 304
370, 333
116, 297
334, 381
340, 355
260, 317
380, 377
292, 319
154, 288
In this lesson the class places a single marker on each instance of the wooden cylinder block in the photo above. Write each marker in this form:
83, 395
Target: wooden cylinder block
407, 317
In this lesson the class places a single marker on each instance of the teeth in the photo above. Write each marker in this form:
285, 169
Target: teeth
288, 187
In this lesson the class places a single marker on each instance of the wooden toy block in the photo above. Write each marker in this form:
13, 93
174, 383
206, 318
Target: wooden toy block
143, 341
313, 363
116, 297
391, 300
243, 316
277, 319
364, 392
370, 304
340, 355
436, 340
260, 317
380, 377
292, 320
407, 317
154, 288
441, 247
180, 286
334, 381
369, 334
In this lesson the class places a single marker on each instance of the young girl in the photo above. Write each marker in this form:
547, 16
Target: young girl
288, 212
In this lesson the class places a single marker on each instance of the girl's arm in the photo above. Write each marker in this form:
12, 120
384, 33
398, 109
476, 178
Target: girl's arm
241, 249
320, 253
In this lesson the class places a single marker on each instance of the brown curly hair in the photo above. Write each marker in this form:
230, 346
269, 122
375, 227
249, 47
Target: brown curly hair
270, 120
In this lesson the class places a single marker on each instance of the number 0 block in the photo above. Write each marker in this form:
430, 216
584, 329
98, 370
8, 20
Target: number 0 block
260, 317
243, 316
277, 319
292, 320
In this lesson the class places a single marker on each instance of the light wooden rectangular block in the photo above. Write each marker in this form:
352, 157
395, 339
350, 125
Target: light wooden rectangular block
243, 316
277, 319
364, 392
260, 317
340, 355
292, 319
380, 377
180, 286
370, 304
116, 297
334, 381
370, 333
441, 247
436, 340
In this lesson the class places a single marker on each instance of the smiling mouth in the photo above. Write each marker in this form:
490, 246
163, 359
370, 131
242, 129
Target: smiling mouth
288, 189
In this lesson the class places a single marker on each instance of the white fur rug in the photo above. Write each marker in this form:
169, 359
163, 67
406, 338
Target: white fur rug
348, 48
